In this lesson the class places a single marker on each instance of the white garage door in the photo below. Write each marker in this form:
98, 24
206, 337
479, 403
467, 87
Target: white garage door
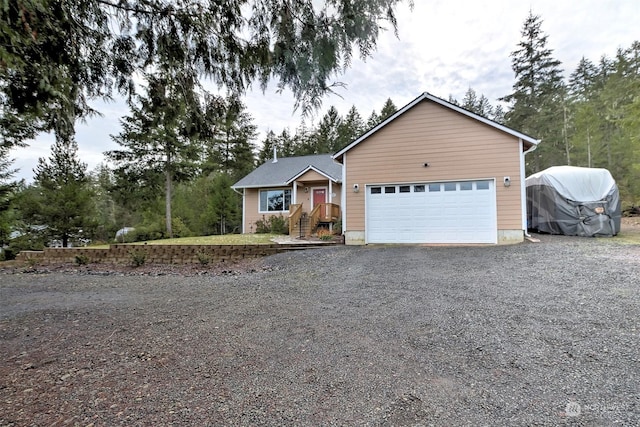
440, 212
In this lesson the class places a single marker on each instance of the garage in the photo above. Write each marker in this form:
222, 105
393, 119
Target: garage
433, 212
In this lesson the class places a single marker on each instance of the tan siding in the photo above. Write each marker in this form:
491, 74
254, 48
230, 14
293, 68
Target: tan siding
252, 202
455, 146
311, 176
252, 214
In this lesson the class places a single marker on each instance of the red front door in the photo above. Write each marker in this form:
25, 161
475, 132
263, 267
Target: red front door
319, 196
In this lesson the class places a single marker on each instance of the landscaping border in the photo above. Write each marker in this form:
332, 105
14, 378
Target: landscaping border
156, 254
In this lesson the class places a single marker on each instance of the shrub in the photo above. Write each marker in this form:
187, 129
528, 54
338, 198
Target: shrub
138, 257
324, 234
276, 224
82, 259
203, 258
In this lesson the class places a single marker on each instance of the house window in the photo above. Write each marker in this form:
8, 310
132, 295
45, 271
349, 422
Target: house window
376, 190
434, 187
389, 189
449, 186
275, 200
405, 188
466, 186
418, 188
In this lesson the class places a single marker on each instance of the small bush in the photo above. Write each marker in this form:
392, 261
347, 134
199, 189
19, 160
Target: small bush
324, 234
276, 224
203, 258
138, 257
82, 259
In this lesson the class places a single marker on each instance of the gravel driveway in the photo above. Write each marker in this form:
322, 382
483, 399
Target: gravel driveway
533, 334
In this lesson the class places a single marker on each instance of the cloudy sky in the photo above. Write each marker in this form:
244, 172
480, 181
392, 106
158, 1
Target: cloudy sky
444, 47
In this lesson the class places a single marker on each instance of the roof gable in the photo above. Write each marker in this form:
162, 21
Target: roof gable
428, 97
287, 169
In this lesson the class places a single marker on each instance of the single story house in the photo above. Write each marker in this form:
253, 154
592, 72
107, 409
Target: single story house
305, 189
430, 173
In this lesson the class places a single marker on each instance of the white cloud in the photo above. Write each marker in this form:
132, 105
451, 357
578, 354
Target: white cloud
444, 48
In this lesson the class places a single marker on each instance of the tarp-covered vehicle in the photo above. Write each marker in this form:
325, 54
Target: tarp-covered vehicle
573, 201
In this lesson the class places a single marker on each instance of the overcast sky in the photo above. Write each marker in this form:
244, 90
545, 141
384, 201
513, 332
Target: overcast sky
444, 47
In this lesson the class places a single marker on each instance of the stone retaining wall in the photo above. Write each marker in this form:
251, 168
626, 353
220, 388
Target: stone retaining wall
153, 254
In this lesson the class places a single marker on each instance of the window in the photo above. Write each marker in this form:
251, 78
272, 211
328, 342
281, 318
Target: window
449, 186
376, 190
482, 185
405, 188
466, 186
418, 188
275, 200
389, 190
434, 188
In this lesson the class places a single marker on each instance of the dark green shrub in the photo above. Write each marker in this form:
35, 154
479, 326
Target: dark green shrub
138, 257
82, 259
276, 224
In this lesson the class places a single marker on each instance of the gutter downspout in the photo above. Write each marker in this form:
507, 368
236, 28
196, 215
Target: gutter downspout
523, 187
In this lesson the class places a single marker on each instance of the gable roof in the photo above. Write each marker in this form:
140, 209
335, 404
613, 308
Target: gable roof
428, 97
286, 169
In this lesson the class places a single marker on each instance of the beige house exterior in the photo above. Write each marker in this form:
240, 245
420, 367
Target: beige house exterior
304, 190
434, 145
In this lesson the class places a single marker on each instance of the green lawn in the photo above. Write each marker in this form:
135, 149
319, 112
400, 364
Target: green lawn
228, 239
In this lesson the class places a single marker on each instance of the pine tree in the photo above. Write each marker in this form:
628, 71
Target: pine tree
326, 136
65, 200
388, 109
160, 137
351, 127
268, 145
224, 206
536, 103
228, 145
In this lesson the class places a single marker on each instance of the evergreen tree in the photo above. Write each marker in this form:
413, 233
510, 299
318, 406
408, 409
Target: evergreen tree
268, 145
7, 190
224, 211
159, 138
65, 199
536, 104
59, 54
351, 127
480, 106
373, 120
388, 109
325, 139
228, 146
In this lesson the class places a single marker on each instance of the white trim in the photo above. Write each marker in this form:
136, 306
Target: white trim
330, 191
313, 168
442, 102
294, 194
523, 185
273, 189
244, 209
343, 194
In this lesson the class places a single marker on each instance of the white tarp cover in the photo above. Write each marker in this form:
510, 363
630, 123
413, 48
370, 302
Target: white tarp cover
573, 201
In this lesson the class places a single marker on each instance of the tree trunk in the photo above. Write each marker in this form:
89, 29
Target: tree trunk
567, 149
65, 240
167, 201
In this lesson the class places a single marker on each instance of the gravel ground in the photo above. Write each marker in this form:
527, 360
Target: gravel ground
534, 334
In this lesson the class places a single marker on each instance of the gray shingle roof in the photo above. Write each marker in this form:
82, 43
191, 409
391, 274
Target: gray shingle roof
279, 174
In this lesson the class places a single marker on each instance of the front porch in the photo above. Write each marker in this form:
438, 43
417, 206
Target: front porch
302, 223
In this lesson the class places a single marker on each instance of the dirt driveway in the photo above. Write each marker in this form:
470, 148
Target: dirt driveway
533, 334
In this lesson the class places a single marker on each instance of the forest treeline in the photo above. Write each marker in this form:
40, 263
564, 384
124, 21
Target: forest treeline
181, 150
